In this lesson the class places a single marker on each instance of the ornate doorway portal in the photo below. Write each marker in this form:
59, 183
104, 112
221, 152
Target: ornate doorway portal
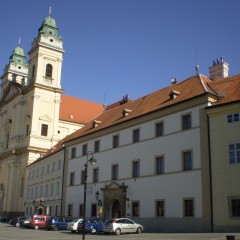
114, 201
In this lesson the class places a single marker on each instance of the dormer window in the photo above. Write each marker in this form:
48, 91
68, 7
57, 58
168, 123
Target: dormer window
49, 70
96, 123
173, 94
126, 112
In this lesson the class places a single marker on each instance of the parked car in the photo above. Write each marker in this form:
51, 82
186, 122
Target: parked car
73, 226
4, 219
57, 223
38, 221
92, 225
16, 221
121, 225
25, 222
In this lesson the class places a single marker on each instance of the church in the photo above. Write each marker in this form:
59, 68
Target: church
34, 112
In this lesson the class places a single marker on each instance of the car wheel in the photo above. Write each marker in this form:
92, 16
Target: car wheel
55, 228
118, 231
17, 225
73, 231
36, 227
93, 231
139, 230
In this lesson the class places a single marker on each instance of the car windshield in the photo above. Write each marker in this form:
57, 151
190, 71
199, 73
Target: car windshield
76, 220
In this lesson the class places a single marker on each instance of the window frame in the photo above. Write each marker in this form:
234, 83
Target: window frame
136, 135
115, 171
49, 70
44, 130
159, 169
185, 161
135, 209
234, 153
84, 149
231, 205
95, 175
160, 213
72, 179
115, 141
73, 152
185, 207
97, 146
159, 129
136, 168
186, 121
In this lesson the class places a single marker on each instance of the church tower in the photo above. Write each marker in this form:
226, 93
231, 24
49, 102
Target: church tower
29, 112
44, 80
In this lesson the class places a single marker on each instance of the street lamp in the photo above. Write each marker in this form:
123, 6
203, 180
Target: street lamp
92, 161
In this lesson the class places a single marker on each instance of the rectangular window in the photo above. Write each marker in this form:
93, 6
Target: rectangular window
50, 210
73, 152
235, 207
72, 178
234, 153
81, 210
159, 129
115, 141
42, 171
53, 167
159, 165
70, 210
233, 117
114, 172
44, 130
57, 187
94, 210
95, 175
188, 208
186, 122
97, 146
136, 135
136, 169
187, 160
84, 149
59, 164
82, 176
51, 190
160, 208
46, 190
135, 209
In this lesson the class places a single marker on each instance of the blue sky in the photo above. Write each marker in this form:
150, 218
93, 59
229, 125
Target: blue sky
118, 47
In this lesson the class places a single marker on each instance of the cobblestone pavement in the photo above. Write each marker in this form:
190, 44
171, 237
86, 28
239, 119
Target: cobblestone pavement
8, 232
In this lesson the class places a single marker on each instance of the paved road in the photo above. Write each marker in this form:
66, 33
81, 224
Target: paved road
8, 232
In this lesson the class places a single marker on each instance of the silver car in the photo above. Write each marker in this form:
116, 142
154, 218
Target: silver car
121, 225
73, 226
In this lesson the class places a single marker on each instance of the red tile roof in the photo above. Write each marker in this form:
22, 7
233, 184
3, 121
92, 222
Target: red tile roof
78, 110
226, 90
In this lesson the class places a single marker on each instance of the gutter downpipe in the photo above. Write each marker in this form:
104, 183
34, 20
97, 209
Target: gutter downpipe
210, 175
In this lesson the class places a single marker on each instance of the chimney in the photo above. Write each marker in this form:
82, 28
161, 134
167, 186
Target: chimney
219, 70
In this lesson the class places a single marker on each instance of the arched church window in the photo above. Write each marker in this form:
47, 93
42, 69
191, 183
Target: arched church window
49, 69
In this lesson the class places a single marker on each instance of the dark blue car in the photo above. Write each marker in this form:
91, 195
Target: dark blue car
57, 223
93, 225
